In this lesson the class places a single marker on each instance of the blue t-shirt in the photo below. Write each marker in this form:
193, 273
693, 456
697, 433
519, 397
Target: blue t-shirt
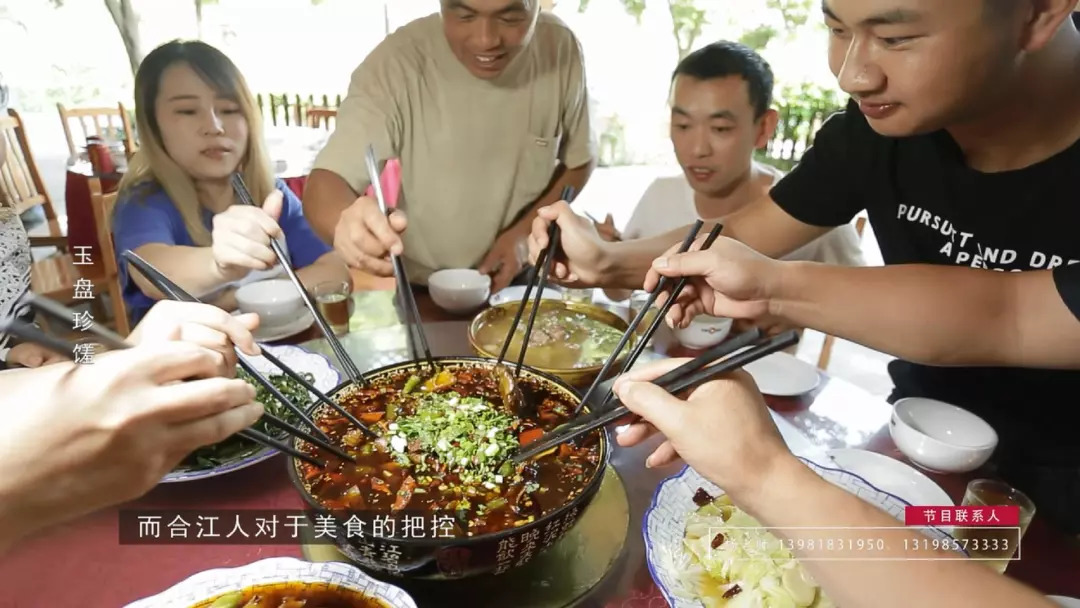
149, 216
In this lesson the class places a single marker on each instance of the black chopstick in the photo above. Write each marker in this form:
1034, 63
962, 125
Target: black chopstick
346, 362
541, 279
686, 378
62, 313
32, 334
640, 346
281, 446
274, 421
175, 292
660, 286
529, 284
413, 325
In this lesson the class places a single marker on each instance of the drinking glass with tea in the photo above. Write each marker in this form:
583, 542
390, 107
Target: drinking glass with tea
994, 545
332, 298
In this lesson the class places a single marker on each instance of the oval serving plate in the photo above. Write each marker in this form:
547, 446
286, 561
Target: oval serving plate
664, 523
299, 359
210, 584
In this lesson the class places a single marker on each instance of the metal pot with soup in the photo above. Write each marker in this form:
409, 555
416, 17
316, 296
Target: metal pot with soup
569, 340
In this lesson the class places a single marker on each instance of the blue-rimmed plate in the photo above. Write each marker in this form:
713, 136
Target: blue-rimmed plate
299, 359
210, 584
664, 525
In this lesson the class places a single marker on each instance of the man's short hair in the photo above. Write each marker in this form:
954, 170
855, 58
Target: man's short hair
725, 58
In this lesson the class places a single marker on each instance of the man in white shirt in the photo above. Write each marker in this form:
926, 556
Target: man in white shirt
720, 113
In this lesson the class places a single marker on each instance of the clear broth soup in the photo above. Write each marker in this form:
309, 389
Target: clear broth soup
561, 338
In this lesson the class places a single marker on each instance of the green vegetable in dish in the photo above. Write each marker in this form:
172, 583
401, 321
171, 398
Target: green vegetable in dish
236, 448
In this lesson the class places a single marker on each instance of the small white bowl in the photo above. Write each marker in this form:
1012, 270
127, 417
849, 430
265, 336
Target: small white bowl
703, 332
940, 436
459, 290
276, 301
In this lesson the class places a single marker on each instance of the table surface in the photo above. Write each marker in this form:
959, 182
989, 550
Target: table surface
83, 564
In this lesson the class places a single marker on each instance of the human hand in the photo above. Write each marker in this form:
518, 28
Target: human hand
241, 237
29, 354
87, 436
201, 324
503, 260
580, 250
365, 237
728, 280
723, 429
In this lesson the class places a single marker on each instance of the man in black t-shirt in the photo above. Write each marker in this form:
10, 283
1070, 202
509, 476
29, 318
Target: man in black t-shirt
961, 142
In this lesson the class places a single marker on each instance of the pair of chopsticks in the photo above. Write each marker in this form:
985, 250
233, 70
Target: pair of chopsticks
686, 376
406, 298
115, 341
661, 285
175, 292
537, 279
346, 362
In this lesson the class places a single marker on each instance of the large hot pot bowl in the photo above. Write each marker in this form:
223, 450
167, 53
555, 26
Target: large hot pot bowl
460, 557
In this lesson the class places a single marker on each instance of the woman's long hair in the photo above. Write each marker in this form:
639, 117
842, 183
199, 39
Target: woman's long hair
152, 166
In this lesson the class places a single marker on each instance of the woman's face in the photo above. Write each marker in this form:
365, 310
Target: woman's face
204, 133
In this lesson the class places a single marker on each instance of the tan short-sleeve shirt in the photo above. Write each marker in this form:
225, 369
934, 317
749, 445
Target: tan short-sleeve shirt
474, 153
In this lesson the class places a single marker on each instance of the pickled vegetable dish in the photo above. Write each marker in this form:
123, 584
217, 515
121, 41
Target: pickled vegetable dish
442, 448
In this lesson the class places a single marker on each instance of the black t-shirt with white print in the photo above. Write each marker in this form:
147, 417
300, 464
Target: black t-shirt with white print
927, 206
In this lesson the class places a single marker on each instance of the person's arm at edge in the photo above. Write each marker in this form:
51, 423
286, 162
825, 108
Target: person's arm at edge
763, 225
888, 579
940, 315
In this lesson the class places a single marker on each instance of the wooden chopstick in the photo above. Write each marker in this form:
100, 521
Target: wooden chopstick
62, 313
680, 379
640, 346
541, 279
660, 286
407, 298
175, 292
30, 333
343, 356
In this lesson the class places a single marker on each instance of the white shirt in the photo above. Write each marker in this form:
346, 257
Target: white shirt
668, 204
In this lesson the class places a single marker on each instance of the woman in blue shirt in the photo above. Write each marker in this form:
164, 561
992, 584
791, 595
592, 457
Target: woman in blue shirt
198, 124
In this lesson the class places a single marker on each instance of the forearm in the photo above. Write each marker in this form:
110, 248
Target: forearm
329, 267
192, 268
904, 573
940, 315
326, 195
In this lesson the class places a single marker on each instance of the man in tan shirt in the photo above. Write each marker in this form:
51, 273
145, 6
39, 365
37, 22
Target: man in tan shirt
486, 107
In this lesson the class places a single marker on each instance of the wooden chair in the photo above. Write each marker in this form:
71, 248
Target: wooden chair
56, 277
131, 143
21, 184
827, 346
319, 117
91, 121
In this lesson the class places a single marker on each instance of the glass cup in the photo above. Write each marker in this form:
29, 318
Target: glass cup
580, 296
995, 546
332, 298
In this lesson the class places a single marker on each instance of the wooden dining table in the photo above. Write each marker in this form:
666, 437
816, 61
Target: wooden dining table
82, 563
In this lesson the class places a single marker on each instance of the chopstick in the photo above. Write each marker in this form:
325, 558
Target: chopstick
681, 378
541, 279
62, 313
640, 346
30, 333
660, 286
552, 232
346, 362
175, 292
413, 324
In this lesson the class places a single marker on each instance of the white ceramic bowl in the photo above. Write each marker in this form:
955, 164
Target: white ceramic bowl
703, 332
459, 290
940, 436
212, 583
276, 301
